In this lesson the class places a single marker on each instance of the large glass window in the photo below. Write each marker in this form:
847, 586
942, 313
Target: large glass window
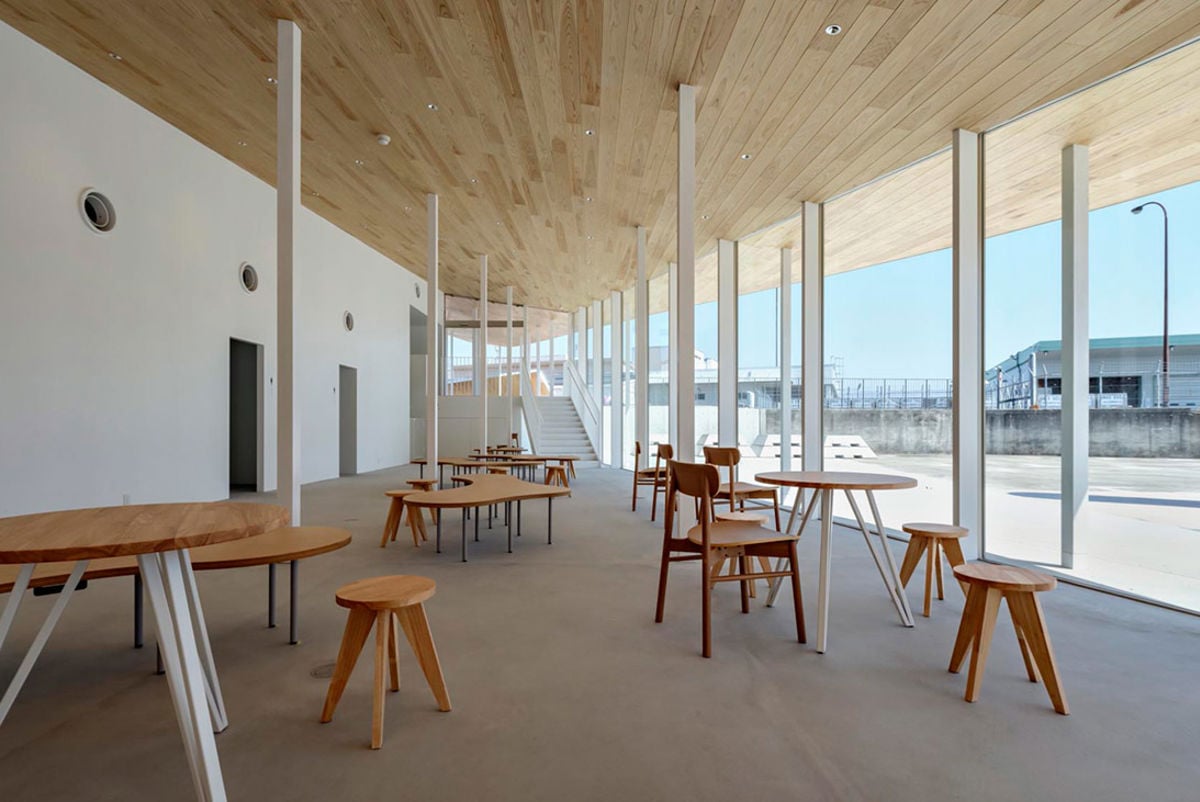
759, 395
606, 379
888, 337
658, 369
706, 336
631, 400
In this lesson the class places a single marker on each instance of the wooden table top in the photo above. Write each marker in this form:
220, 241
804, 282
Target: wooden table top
483, 489
133, 529
837, 480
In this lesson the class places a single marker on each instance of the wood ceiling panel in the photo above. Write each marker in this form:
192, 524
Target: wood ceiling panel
517, 83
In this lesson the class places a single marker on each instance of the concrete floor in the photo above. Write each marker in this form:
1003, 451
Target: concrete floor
565, 689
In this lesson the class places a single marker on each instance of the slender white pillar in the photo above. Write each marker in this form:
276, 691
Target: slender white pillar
581, 343
785, 359
433, 386
481, 365
618, 380
641, 360
508, 371
598, 373
287, 212
812, 344
550, 346
968, 334
685, 246
673, 353
727, 342
1075, 373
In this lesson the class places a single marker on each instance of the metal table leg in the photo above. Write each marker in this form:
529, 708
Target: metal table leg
293, 611
271, 596
550, 520
139, 615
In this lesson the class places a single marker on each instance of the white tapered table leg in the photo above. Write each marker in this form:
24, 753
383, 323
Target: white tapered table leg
777, 582
825, 568
906, 615
868, 538
169, 599
24, 574
39, 641
216, 701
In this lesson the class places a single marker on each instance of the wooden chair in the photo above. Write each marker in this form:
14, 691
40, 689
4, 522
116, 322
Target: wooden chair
737, 492
931, 541
388, 603
713, 542
645, 476
986, 585
396, 511
556, 475
663, 455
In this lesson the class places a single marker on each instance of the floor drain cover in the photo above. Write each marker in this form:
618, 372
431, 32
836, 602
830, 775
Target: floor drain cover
323, 671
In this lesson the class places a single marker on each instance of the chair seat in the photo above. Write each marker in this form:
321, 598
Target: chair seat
652, 472
1004, 577
935, 530
756, 517
728, 534
386, 592
744, 489
401, 493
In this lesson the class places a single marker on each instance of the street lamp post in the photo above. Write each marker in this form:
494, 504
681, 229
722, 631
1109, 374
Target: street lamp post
1166, 352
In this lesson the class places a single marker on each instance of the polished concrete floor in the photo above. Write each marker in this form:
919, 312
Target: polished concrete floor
565, 689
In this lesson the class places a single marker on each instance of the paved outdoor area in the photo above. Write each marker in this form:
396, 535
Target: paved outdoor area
1141, 530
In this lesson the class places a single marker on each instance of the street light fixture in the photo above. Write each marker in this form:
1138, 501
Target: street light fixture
1166, 351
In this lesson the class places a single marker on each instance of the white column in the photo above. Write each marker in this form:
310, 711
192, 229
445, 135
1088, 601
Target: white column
581, 343
812, 344
287, 211
1075, 373
481, 365
685, 246
524, 347
785, 359
727, 343
618, 379
968, 334
641, 360
598, 373
433, 386
550, 371
508, 371
673, 353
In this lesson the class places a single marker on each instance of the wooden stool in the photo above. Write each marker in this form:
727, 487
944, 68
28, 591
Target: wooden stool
986, 584
556, 475
930, 540
498, 469
423, 484
396, 512
385, 601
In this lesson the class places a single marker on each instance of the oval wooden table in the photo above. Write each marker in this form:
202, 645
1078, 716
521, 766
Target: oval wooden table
484, 490
159, 535
826, 483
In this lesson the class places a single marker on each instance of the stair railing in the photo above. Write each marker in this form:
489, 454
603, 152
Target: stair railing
531, 413
585, 404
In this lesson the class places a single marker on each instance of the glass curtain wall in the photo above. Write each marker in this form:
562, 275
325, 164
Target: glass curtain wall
460, 344
706, 353
759, 397
658, 369
631, 400
606, 375
888, 337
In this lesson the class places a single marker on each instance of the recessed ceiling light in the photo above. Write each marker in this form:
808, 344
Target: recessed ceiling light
115, 56
271, 79
431, 106
359, 162
589, 236
705, 216
408, 208
589, 132
833, 30
588, 199
242, 142
474, 180
745, 157
383, 139
316, 194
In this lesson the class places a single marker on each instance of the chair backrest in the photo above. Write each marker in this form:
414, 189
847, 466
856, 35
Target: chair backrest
698, 480
726, 457
664, 453
637, 454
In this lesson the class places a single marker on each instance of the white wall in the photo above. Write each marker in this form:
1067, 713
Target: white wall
114, 348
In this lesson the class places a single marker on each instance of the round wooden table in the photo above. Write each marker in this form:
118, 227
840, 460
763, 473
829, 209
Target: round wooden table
159, 535
825, 483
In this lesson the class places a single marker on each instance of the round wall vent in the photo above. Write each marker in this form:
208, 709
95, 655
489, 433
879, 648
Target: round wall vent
348, 321
248, 277
97, 211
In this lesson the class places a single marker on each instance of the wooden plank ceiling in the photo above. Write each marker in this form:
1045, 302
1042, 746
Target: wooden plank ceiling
555, 121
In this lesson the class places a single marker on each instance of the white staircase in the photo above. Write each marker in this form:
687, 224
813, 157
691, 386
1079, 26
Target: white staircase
562, 430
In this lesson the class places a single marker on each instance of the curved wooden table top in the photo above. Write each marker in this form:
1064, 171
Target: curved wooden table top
133, 529
483, 489
837, 480
278, 545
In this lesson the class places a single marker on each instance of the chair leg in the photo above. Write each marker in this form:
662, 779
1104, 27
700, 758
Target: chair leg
775, 500
983, 643
1015, 610
1033, 625
381, 651
416, 626
654, 501
635, 485
797, 598
358, 627
954, 557
744, 584
394, 651
706, 604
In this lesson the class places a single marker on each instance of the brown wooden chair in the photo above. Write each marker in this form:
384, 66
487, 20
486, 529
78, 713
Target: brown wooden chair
713, 542
643, 477
737, 492
663, 455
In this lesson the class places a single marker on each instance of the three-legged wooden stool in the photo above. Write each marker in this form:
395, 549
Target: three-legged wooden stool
986, 584
556, 475
931, 540
397, 511
384, 602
